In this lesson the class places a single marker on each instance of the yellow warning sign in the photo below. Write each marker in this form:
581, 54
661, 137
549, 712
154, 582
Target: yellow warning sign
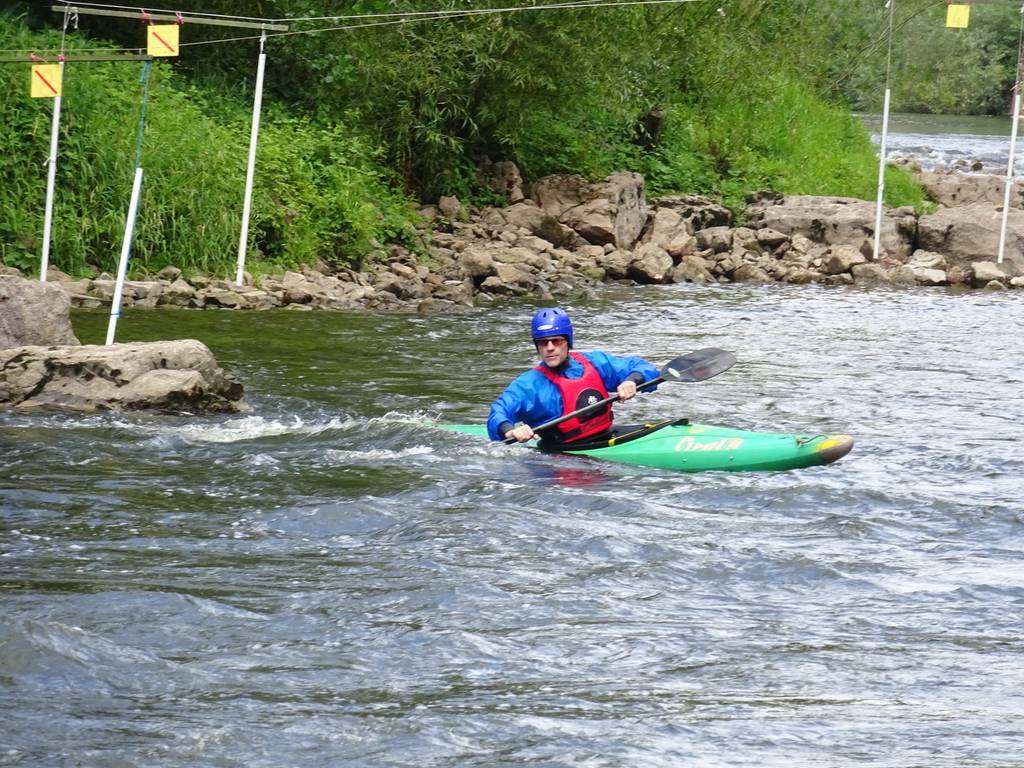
45, 81
958, 16
162, 40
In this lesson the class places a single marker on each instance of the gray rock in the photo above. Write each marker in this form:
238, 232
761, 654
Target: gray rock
522, 257
539, 222
476, 262
495, 286
558, 193
54, 275
870, 274
837, 221
770, 239
402, 288
219, 297
986, 272
534, 243
33, 312
166, 375
616, 214
842, 258
177, 294
903, 275
800, 276
744, 240
698, 211
515, 275
692, 269
955, 189
104, 289
615, 264
717, 239
971, 233
929, 276
651, 264
671, 232
750, 273
928, 260
726, 264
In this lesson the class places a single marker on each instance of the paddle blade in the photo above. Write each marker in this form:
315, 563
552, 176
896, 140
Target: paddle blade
699, 365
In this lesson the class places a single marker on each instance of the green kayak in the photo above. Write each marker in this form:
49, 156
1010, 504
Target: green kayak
685, 447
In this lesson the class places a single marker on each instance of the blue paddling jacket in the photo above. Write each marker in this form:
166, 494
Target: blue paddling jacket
534, 400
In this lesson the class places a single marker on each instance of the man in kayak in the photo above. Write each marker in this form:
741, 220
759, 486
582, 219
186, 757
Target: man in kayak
565, 381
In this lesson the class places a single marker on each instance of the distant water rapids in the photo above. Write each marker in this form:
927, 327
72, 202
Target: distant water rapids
967, 144
332, 580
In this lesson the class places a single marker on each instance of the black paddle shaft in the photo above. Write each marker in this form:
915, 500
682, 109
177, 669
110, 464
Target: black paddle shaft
696, 366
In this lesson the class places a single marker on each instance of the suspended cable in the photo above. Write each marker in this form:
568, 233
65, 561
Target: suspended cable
407, 15
575, 4
157, 10
393, 19
420, 16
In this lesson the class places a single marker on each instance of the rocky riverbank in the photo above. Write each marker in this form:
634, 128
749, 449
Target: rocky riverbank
572, 235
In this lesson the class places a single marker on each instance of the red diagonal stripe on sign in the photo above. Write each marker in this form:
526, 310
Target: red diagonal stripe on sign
48, 85
167, 45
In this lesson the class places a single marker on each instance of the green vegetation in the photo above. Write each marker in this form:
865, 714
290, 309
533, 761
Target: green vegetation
358, 122
935, 69
320, 192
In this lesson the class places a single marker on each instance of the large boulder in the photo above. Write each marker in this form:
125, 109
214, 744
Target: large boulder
33, 312
970, 233
615, 213
698, 211
953, 189
671, 232
173, 376
838, 221
652, 264
558, 193
538, 221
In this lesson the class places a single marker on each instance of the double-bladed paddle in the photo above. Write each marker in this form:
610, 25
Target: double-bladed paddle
696, 366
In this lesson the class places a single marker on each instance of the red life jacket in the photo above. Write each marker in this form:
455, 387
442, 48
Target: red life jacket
576, 393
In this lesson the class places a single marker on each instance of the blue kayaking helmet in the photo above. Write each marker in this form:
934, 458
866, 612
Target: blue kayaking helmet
551, 322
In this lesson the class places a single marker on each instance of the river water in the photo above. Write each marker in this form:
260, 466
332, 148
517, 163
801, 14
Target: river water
333, 580
946, 142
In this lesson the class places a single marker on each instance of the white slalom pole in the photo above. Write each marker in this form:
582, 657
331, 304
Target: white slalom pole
257, 104
51, 178
1009, 178
122, 267
881, 174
